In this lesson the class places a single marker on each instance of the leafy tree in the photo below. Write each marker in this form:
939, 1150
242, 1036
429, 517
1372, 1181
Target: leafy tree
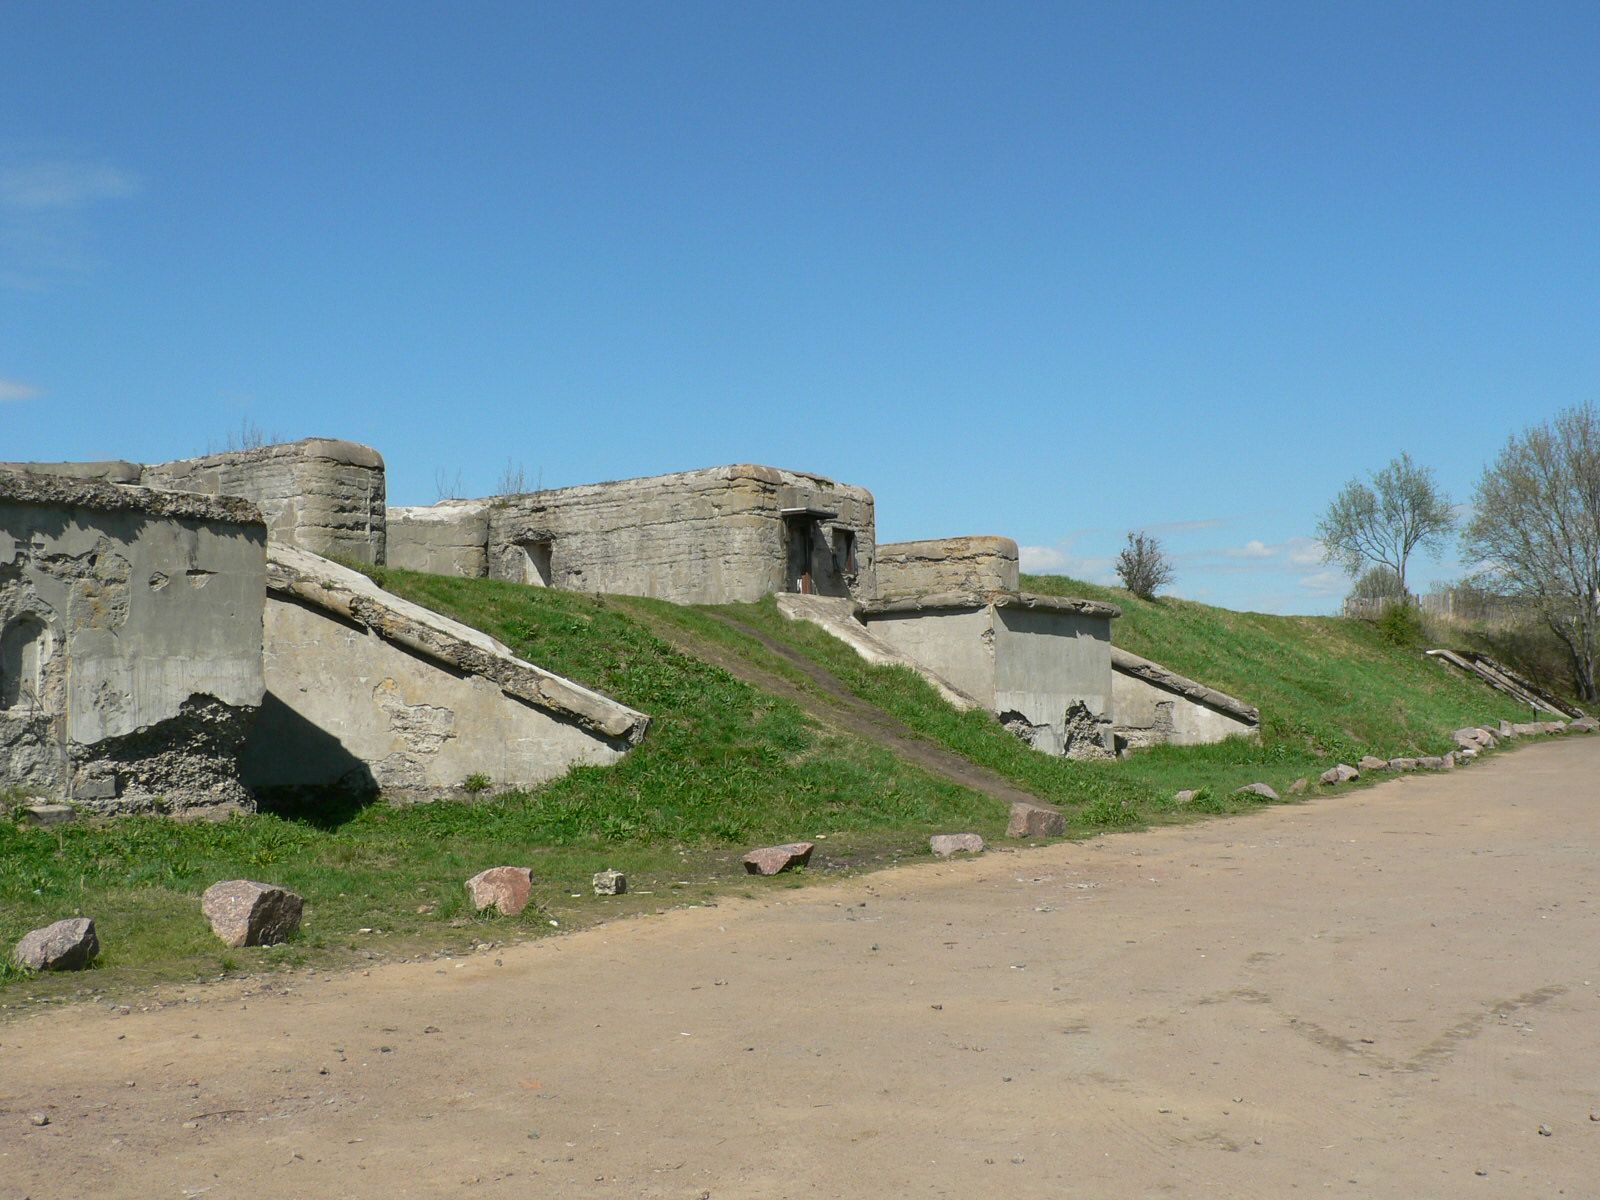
1536, 531
1383, 524
1143, 566
1378, 583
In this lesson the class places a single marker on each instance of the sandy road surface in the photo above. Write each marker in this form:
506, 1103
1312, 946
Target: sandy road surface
1376, 995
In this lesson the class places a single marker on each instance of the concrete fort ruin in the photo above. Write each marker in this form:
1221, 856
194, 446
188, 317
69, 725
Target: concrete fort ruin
715, 536
179, 635
185, 651
130, 643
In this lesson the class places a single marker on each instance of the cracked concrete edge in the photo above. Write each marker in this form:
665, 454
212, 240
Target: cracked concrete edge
837, 616
19, 485
327, 585
969, 600
1159, 676
337, 450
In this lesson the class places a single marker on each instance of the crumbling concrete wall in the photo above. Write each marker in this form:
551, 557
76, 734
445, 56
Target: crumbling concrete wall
1042, 664
1155, 706
718, 535
320, 494
130, 643
947, 565
368, 691
442, 539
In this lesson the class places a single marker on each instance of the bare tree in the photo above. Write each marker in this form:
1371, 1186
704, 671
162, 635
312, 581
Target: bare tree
1143, 566
513, 480
1536, 531
446, 487
1384, 524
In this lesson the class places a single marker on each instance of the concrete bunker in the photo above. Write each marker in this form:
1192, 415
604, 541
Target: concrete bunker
130, 643
321, 494
1042, 664
718, 535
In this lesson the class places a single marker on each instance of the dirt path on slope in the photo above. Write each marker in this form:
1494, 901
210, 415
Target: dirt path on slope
839, 707
1386, 993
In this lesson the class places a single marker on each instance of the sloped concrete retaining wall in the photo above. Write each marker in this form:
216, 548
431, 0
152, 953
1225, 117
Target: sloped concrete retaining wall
368, 691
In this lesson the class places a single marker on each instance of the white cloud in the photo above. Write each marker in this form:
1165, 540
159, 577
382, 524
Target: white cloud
1254, 548
11, 389
1042, 560
1058, 560
1324, 583
1304, 551
57, 185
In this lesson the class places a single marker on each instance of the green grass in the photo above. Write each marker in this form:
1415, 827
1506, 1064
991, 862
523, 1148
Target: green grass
724, 766
1330, 690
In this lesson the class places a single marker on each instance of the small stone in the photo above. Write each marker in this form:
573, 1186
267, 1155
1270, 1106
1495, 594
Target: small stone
944, 845
1584, 724
1402, 764
68, 945
40, 1119
1370, 763
48, 814
1298, 787
507, 890
1034, 821
1343, 773
245, 913
610, 883
1257, 789
1187, 796
1545, 1131
1433, 762
769, 860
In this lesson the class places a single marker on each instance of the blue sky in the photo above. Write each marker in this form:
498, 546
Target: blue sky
1053, 271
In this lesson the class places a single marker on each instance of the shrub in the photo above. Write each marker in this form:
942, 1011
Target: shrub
1143, 566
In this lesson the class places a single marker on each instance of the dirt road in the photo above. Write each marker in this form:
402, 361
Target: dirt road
1382, 994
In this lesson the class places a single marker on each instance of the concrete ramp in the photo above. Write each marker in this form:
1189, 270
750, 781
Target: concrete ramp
837, 615
1503, 679
368, 691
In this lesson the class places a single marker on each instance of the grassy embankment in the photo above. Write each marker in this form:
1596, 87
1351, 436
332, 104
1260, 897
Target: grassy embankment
725, 766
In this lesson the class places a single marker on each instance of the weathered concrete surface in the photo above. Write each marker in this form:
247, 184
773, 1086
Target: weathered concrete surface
1375, 994
956, 564
319, 494
367, 690
1154, 705
130, 643
442, 539
722, 534
837, 615
1042, 664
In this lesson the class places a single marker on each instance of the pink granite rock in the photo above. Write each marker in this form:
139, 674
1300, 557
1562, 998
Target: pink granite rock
1034, 821
505, 889
68, 945
944, 845
245, 913
769, 860
1256, 789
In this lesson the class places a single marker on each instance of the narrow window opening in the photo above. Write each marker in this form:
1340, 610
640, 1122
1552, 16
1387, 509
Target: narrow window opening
844, 551
536, 562
24, 647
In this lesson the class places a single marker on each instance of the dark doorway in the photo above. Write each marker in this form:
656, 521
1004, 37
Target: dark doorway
800, 534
